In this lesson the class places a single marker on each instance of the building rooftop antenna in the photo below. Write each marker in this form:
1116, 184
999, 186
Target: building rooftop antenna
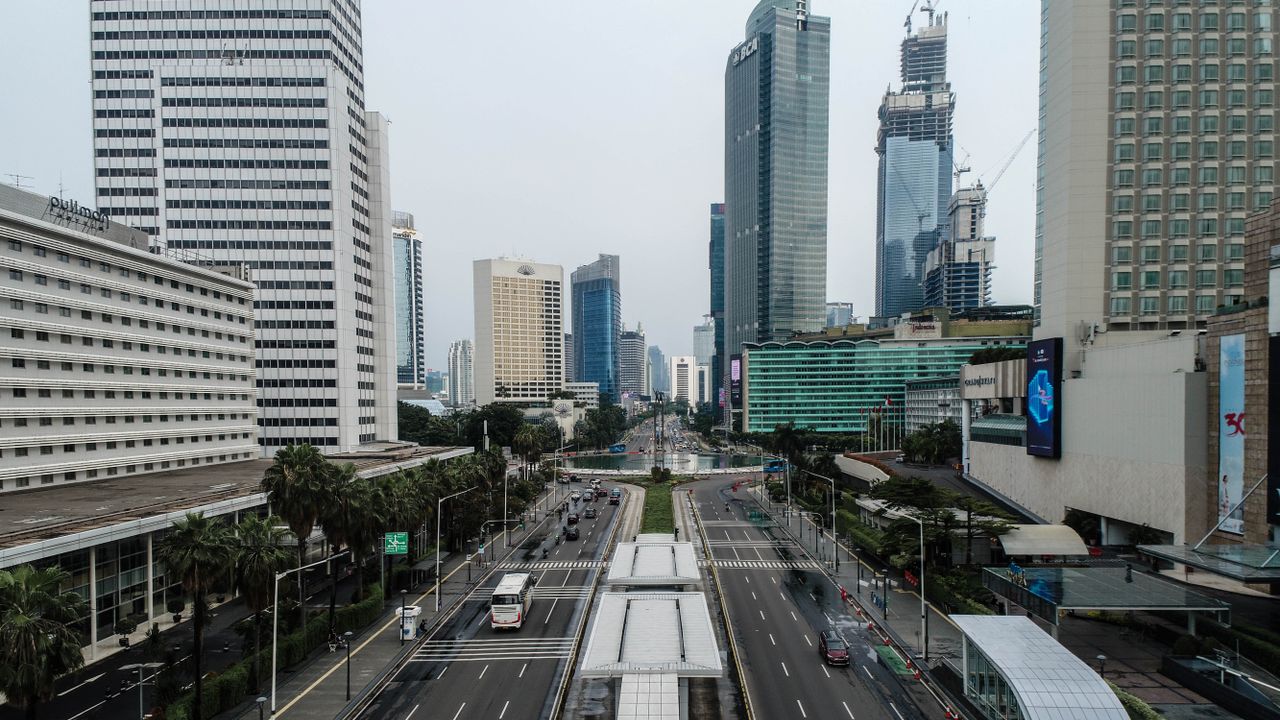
17, 180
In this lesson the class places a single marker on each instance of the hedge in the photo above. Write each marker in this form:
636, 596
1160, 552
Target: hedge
863, 536
1259, 651
227, 689
1137, 708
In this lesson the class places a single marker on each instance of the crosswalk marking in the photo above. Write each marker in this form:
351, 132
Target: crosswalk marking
476, 650
772, 564
750, 543
557, 592
553, 565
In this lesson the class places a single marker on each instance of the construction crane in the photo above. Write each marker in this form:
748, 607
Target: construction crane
930, 7
1012, 157
961, 167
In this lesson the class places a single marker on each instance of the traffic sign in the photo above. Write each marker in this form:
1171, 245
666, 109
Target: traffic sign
395, 543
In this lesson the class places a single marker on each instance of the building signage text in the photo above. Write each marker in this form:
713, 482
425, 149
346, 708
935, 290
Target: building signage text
74, 212
746, 49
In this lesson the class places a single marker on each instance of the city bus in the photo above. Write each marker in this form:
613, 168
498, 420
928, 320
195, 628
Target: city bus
509, 605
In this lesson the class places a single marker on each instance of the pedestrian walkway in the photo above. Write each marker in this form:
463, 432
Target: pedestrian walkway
757, 564
553, 565
318, 688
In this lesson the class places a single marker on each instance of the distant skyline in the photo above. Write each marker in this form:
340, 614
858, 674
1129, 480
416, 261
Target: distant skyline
505, 142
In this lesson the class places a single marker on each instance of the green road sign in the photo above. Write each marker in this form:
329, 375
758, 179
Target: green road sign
395, 543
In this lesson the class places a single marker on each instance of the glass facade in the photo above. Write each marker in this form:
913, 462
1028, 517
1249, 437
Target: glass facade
776, 136
834, 386
914, 145
716, 263
410, 351
597, 324
986, 688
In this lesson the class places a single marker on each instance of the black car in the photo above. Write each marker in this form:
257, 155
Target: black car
833, 648
572, 519
571, 532
589, 513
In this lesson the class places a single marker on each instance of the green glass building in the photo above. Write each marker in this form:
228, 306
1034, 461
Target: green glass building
834, 386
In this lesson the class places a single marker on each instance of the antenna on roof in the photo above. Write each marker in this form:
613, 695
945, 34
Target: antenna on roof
17, 179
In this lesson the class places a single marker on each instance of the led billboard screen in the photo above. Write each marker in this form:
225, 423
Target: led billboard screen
735, 381
1044, 398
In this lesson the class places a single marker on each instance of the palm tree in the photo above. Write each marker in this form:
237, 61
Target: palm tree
339, 518
260, 555
298, 487
528, 444
199, 551
37, 641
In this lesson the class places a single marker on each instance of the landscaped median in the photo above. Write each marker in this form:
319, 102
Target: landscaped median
659, 517
229, 688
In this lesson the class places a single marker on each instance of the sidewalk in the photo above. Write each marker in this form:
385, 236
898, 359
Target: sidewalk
317, 688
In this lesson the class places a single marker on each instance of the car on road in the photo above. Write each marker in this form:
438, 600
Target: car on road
572, 519
589, 513
832, 648
575, 496
615, 496
601, 492
571, 532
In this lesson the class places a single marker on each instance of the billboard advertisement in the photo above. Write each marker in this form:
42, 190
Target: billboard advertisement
1273, 420
1044, 398
1231, 433
735, 380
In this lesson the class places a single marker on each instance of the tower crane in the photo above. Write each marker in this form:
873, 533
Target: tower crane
1012, 157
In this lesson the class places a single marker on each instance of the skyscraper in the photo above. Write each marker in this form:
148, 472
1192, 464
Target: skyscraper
704, 341
716, 264
631, 362
683, 371
957, 272
462, 388
568, 357
839, 314
914, 178
597, 323
411, 358
1157, 139
775, 212
519, 317
657, 370
240, 135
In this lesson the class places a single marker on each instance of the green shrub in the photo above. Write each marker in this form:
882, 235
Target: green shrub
1137, 708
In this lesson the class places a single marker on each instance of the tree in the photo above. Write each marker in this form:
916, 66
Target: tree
933, 444
418, 425
38, 642
349, 505
259, 556
997, 354
298, 488
991, 521
199, 551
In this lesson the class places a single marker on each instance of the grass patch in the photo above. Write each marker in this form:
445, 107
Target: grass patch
659, 517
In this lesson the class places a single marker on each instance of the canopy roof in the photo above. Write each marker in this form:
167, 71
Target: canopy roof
667, 632
1247, 563
1042, 540
653, 563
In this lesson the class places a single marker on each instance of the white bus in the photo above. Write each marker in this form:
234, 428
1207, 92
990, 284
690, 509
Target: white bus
511, 600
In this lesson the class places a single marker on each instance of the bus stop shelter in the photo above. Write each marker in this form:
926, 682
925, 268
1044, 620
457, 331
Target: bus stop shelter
1049, 592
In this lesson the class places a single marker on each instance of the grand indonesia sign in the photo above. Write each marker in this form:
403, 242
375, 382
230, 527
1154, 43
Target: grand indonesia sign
76, 214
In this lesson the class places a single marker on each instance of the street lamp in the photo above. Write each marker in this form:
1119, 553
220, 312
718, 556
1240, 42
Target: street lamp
142, 711
924, 628
439, 504
261, 701
835, 548
403, 595
346, 640
275, 616
1102, 665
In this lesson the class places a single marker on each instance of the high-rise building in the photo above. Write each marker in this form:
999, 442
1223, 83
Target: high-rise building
411, 357
657, 370
914, 146
148, 368
839, 314
240, 135
462, 388
519, 319
704, 340
716, 263
568, 357
597, 323
631, 362
957, 272
1157, 139
683, 371
775, 212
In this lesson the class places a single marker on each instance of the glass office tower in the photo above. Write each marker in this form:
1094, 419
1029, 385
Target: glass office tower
914, 180
597, 323
716, 263
775, 226
411, 367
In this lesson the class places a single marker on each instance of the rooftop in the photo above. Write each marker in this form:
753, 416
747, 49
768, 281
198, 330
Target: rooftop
652, 632
1045, 590
1048, 681
1247, 563
654, 563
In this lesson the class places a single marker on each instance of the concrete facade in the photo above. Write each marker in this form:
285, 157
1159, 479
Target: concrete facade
519, 321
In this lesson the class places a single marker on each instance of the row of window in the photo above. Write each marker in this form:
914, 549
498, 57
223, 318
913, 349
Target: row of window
1206, 175
92, 393
68, 448
110, 344
93, 473
1208, 123
252, 244
1177, 279
1181, 202
1207, 47
203, 122
246, 164
248, 143
1209, 22
1208, 252
1210, 72
211, 55
248, 225
1206, 150
1174, 305
193, 184
273, 102
238, 204
1207, 99
1178, 228
211, 35
241, 82
21, 392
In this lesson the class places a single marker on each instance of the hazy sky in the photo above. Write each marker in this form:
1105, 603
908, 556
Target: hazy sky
556, 131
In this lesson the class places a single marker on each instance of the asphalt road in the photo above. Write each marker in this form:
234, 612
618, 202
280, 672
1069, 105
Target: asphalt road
778, 603
469, 670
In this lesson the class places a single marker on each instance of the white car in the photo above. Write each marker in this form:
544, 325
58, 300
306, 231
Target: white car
575, 496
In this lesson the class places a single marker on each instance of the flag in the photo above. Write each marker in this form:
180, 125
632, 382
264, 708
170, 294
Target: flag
887, 401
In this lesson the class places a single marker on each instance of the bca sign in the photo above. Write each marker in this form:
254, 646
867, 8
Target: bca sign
746, 50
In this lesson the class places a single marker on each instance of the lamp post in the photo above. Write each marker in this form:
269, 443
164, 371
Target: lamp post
142, 710
835, 547
261, 701
403, 595
439, 504
924, 628
346, 640
275, 617
1102, 666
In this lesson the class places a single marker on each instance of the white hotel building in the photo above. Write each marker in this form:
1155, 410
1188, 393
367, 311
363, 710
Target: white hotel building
239, 134
519, 321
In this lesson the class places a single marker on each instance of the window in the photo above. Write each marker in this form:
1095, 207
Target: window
1121, 254
1120, 306
1233, 278
1261, 200
1207, 227
1151, 253
1235, 174
1154, 47
1263, 174
1124, 126
1235, 201
1150, 279
1182, 48
1262, 122
1123, 203
1153, 73
1235, 251
1182, 151
1124, 100
1236, 72
1263, 72
1121, 280
1123, 229
1126, 75
1124, 152
1207, 201
1209, 72
1150, 228
1152, 151
1236, 98
1182, 124
1180, 227
1152, 125
1262, 46
1182, 176
1178, 279
1124, 178
1209, 150
1126, 48
1209, 176
1182, 99
1263, 149
1177, 304
1155, 22
1150, 305
1206, 278
1127, 23
1152, 177
1208, 47
1236, 149
1208, 124
1182, 21
1152, 203
1205, 303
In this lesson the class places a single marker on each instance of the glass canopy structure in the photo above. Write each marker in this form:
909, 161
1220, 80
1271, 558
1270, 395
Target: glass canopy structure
1247, 563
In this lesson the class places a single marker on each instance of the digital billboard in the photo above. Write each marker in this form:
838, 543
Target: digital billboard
1231, 433
1044, 398
735, 381
1273, 420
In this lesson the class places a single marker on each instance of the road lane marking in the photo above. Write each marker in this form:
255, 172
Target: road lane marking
89, 709
748, 580
824, 669
482, 672
762, 615
814, 597
411, 712
895, 711
77, 687
442, 672
775, 642
522, 669
784, 597
829, 620
807, 641
784, 670
846, 709
753, 595
553, 609
793, 616
774, 579
802, 712
504, 709
868, 672
455, 715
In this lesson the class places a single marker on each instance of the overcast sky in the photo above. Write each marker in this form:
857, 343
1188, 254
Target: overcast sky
557, 131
